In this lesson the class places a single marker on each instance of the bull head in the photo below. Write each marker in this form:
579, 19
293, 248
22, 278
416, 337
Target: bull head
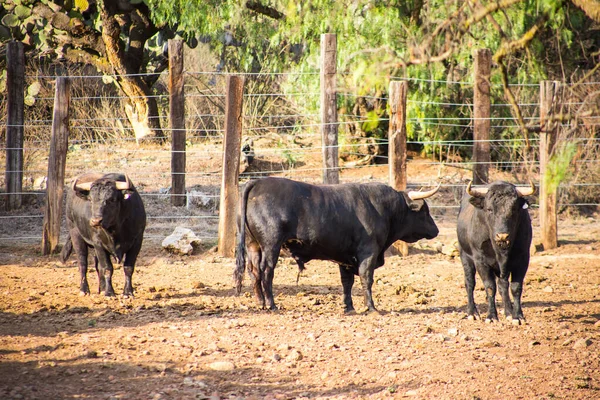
480, 192
82, 189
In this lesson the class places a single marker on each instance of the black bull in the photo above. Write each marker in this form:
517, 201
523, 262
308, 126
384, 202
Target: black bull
494, 234
104, 211
350, 224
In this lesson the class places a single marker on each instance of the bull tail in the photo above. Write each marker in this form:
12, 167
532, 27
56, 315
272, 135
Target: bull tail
240, 259
66, 250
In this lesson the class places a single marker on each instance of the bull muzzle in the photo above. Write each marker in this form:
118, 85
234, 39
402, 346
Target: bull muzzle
95, 222
502, 240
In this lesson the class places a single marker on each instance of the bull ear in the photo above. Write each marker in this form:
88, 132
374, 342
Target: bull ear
413, 205
82, 191
82, 194
477, 202
127, 193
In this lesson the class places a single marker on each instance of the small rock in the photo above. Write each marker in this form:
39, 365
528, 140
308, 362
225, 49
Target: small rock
597, 324
534, 343
567, 342
198, 285
548, 289
453, 332
276, 357
181, 241
582, 343
295, 355
222, 366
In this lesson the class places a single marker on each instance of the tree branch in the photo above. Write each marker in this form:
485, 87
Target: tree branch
264, 10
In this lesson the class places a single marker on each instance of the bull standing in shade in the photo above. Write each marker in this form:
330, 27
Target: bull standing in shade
494, 234
104, 211
350, 224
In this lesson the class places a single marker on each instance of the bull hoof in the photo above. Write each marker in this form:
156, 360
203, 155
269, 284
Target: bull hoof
473, 317
349, 311
518, 321
489, 320
82, 293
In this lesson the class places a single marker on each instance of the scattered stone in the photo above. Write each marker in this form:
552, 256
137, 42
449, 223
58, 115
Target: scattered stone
195, 198
450, 250
194, 382
597, 324
548, 289
534, 343
222, 366
582, 343
453, 332
182, 241
295, 355
568, 342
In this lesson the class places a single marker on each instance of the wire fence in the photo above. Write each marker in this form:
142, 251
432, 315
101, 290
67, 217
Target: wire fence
282, 137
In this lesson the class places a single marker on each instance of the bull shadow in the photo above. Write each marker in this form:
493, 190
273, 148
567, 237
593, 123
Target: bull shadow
93, 376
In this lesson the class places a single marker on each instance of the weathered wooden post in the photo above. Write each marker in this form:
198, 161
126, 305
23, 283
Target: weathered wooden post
481, 115
57, 161
397, 143
177, 122
329, 127
231, 165
15, 83
548, 196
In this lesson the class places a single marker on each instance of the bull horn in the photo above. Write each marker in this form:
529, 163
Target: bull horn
476, 192
526, 191
82, 186
123, 185
423, 195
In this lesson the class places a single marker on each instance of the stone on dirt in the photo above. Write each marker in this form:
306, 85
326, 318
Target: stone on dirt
222, 366
182, 241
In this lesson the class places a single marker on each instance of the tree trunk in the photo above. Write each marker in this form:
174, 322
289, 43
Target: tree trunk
142, 109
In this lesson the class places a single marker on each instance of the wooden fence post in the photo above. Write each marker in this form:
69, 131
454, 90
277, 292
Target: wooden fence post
231, 165
397, 143
329, 127
481, 115
177, 122
15, 82
57, 161
548, 197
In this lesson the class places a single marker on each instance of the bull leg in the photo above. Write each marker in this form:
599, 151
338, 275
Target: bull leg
489, 282
106, 268
347, 276
469, 270
101, 282
129, 266
516, 287
365, 271
253, 267
508, 307
81, 249
267, 272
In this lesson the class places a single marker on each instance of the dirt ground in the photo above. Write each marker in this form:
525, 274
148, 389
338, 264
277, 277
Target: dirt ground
186, 336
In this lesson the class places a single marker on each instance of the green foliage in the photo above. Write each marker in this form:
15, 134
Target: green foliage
559, 166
